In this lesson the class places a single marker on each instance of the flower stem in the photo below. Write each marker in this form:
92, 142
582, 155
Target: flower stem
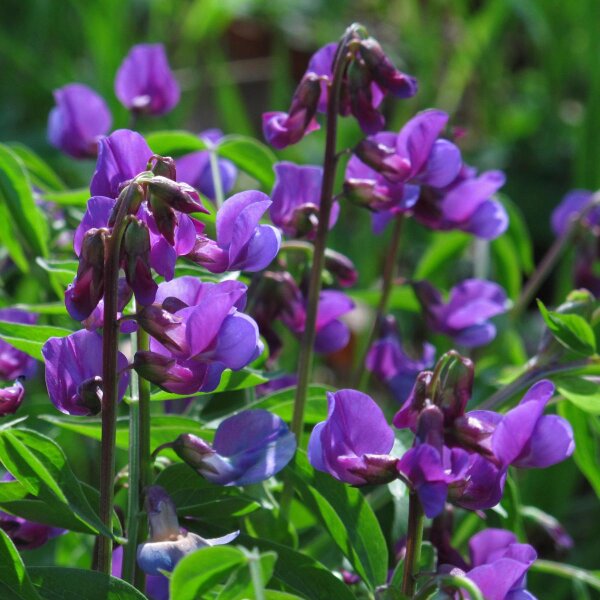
314, 289
362, 375
110, 380
414, 539
216, 177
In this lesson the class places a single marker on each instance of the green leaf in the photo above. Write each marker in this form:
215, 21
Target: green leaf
444, 247
17, 195
41, 174
78, 197
571, 330
251, 156
60, 583
63, 270
199, 572
47, 308
195, 497
583, 393
519, 234
240, 584
348, 518
174, 143
401, 298
230, 381
9, 240
506, 263
587, 448
14, 580
30, 338
40, 465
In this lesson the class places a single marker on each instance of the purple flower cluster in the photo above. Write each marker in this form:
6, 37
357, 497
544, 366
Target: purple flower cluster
458, 456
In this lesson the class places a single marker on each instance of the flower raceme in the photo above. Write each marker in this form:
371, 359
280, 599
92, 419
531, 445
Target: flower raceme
248, 447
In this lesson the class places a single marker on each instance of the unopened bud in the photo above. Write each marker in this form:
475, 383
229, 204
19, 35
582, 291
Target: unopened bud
178, 196
162, 325
376, 469
136, 250
341, 267
384, 160
11, 398
163, 166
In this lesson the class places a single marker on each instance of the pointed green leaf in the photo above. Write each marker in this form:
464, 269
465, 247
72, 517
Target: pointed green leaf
14, 580
174, 143
251, 156
30, 338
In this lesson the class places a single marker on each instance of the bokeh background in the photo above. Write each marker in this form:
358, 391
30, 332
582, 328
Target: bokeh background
520, 77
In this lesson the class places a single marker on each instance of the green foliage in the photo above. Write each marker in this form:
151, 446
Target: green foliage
30, 338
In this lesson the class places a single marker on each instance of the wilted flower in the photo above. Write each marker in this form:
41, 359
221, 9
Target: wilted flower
465, 316
354, 443
145, 82
74, 372
195, 169
11, 398
248, 448
78, 120
15, 363
242, 242
168, 543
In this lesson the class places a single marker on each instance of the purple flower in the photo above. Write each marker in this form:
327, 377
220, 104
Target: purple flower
195, 168
570, 207
465, 204
248, 448
242, 242
354, 443
145, 82
283, 129
74, 372
206, 334
121, 156
11, 398
526, 438
168, 542
297, 198
13, 362
465, 316
388, 360
157, 586
78, 120
499, 564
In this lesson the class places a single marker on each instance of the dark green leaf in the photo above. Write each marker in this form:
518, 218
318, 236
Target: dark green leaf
518, 232
572, 331
251, 156
348, 518
60, 583
17, 195
583, 393
29, 338
174, 143
506, 263
14, 580
240, 585
9, 240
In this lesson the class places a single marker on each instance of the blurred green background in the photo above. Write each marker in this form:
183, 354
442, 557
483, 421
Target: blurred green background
522, 77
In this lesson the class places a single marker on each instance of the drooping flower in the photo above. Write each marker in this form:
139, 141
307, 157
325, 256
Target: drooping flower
195, 169
242, 242
206, 335
248, 448
145, 82
11, 398
296, 200
168, 543
465, 317
15, 363
74, 372
571, 205
78, 120
465, 204
354, 443
388, 360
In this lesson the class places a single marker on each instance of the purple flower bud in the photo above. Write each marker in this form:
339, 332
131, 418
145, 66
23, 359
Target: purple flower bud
145, 82
74, 371
79, 118
136, 250
168, 543
297, 199
383, 71
341, 267
121, 156
11, 398
383, 159
195, 168
354, 443
242, 243
570, 207
248, 448
25, 534
163, 166
465, 316
527, 438
15, 363
283, 129
362, 104
407, 416
166, 328
179, 196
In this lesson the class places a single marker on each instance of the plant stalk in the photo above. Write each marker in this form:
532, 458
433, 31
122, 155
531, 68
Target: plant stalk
216, 177
389, 268
414, 539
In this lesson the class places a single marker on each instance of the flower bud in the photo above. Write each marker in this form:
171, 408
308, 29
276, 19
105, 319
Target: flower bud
136, 250
179, 196
163, 166
366, 193
362, 105
11, 398
155, 367
384, 160
341, 267
163, 326
430, 427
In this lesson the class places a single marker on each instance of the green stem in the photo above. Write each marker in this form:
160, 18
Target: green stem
256, 575
110, 379
414, 539
567, 571
314, 288
389, 268
454, 581
216, 177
